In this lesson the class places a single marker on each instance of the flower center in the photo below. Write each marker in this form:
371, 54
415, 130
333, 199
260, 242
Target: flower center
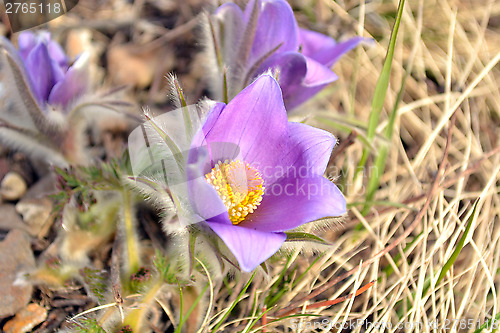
239, 186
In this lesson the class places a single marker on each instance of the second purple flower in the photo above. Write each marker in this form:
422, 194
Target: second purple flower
265, 36
53, 80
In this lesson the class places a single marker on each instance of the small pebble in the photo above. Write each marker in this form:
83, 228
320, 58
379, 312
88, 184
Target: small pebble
10, 219
16, 257
36, 213
26, 319
13, 186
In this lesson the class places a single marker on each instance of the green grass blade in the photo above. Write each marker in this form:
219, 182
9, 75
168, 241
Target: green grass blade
389, 269
489, 324
381, 87
449, 263
181, 306
285, 285
255, 321
191, 309
460, 245
374, 181
221, 321
129, 227
446, 267
272, 292
381, 159
305, 272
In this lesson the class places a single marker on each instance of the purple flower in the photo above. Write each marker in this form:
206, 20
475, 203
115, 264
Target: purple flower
254, 175
52, 80
266, 36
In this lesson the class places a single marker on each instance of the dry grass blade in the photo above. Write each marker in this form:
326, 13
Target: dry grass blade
331, 302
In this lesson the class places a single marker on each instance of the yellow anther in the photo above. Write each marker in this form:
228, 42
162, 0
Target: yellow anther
240, 187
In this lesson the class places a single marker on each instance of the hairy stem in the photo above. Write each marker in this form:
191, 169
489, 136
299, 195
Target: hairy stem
131, 242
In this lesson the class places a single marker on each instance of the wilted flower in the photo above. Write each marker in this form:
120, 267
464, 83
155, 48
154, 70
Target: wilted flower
52, 79
254, 175
266, 36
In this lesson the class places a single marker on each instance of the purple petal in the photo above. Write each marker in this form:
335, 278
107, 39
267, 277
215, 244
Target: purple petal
333, 55
55, 50
317, 74
309, 150
204, 199
58, 72
292, 68
276, 28
254, 124
73, 84
26, 43
307, 155
39, 68
312, 43
57, 54
293, 201
250, 247
317, 78
216, 151
300, 77
209, 122
324, 49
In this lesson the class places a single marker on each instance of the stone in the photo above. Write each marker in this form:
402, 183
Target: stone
10, 219
36, 213
36, 207
16, 257
26, 319
13, 186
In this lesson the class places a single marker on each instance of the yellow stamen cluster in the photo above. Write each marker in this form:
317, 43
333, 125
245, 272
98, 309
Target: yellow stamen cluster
240, 187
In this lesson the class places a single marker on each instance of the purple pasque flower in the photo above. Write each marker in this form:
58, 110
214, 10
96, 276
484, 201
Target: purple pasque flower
264, 36
53, 81
256, 175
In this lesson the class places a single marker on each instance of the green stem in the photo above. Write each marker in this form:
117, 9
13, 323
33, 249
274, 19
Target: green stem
132, 248
136, 317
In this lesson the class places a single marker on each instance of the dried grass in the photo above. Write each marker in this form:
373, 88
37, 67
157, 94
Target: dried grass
453, 48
